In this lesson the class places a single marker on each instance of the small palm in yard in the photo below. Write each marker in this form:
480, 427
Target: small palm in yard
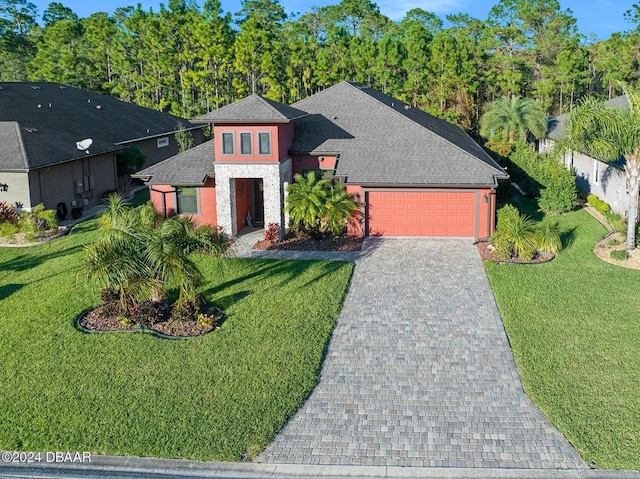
141, 256
306, 202
339, 209
317, 205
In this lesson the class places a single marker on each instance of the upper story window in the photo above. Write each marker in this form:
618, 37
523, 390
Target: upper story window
227, 143
264, 140
162, 142
187, 200
245, 143
596, 171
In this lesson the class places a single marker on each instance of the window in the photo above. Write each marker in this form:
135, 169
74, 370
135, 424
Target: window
162, 142
245, 143
187, 200
265, 143
227, 143
595, 171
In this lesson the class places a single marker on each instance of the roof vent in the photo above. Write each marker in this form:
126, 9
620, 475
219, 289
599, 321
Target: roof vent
334, 117
39, 105
49, 105
31, 129
98, 107
407, 107
89, 100
62, 87
35, 87
1, 88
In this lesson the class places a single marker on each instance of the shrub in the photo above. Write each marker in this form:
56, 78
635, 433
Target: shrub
548, 237
543, 177
8, 214
271, 232
598, 204
519, 235
8, 229
619, 255
147, 312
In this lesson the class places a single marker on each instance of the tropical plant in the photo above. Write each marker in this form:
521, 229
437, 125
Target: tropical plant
340, 207
306, 202
317, 205
519, 235
511, 119
141, 256
609, 132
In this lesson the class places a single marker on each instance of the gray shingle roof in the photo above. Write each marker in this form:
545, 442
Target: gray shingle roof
253, 108
11, 149
189, 168
555, 124
382, 140
59, 116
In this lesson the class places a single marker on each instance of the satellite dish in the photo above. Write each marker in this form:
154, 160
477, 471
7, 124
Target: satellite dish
84, 145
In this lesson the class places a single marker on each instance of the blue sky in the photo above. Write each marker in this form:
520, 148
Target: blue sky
601, 17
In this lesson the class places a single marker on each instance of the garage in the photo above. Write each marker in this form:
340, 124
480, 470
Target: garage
421, 213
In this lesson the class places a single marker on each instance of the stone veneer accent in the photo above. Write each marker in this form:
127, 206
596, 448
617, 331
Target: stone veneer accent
274, 176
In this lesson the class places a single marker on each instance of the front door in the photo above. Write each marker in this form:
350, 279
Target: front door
258, 201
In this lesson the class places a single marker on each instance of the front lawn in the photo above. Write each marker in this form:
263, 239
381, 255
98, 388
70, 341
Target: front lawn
221, 396
574, 325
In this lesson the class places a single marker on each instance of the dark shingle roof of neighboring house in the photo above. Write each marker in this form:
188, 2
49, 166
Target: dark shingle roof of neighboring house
192, 167
253, 109
382, 140
52, 117
555, 124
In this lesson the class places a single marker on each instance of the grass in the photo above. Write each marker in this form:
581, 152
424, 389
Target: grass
221, 396
574, 326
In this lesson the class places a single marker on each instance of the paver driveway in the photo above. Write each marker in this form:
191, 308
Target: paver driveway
419, 373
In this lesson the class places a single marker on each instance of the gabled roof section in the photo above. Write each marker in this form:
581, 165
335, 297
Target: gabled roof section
191, 168
555, 124
52, 117
382, 140
12, 154
253, 109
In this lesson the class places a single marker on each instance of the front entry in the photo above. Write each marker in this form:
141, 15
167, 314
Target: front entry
258, 201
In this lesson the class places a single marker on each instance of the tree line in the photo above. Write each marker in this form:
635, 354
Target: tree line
187, 60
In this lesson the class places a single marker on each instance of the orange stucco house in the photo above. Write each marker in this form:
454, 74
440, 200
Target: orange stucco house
413, 174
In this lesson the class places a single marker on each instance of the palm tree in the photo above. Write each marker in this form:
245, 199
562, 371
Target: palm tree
340, 206
141, 257
510, 119
306, 202
609, 132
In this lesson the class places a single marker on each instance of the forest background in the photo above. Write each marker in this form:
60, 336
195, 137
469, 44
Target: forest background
188, 59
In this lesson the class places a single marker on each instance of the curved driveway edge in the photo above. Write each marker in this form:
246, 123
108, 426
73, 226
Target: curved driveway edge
419, 373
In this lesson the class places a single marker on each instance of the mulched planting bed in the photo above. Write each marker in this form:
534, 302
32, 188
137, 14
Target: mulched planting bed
96, 320
307, 243
488, 255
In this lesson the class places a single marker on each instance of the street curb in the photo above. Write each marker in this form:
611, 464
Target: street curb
242, 470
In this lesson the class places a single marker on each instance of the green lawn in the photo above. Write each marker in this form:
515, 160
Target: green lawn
574, 325
219, 396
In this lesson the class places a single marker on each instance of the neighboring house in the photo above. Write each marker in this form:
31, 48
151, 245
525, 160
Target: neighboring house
413, 174
40, 124
605, 179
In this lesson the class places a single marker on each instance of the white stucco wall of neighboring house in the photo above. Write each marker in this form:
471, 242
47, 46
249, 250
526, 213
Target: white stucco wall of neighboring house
596, 177
18, 188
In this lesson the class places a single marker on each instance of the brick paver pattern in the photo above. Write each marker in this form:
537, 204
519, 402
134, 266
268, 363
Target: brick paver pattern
419, 372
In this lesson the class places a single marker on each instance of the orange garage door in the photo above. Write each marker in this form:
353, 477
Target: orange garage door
423, 213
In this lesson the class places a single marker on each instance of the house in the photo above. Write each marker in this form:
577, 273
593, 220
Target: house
605, 179
413, 174
42, 126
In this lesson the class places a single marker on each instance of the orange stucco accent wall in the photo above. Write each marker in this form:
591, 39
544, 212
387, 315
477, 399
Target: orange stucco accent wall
163, 198
279, 146
354, 227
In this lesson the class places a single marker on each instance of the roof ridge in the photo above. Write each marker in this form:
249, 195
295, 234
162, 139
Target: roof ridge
438, 135
23, 150
268, 102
